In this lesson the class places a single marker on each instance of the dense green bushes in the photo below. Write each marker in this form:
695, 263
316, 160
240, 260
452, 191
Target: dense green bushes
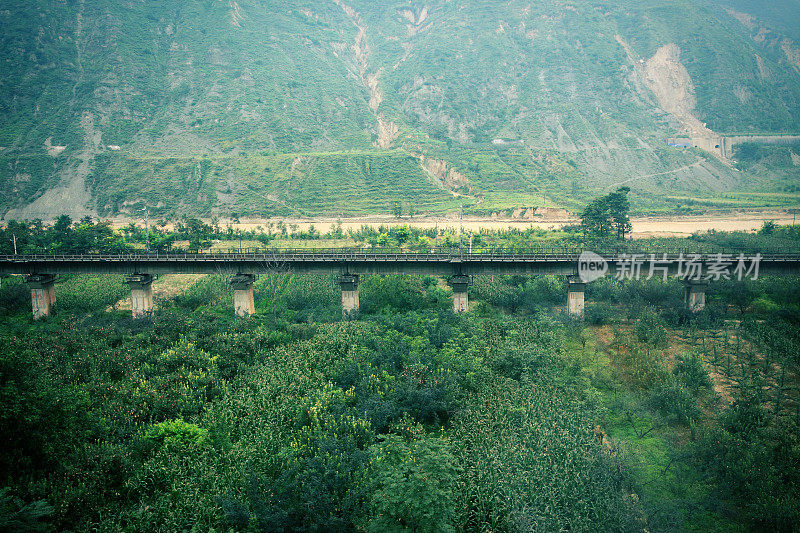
521, 293
411, 417
189, 419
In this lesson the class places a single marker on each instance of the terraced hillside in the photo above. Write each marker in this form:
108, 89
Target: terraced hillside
346, 107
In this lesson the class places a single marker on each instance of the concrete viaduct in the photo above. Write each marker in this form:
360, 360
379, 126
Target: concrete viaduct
242, 268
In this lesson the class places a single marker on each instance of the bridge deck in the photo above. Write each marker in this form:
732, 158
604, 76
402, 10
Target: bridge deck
362, 262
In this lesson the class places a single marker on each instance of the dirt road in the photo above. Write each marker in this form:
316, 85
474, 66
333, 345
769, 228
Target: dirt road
673, 226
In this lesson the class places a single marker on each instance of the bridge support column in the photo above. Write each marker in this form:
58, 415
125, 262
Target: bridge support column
350, 302
43, 294
141, 294
575, 296
243, 301
695, 294
460, 284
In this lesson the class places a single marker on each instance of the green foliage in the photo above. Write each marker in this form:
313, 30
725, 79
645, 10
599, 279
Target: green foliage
409, 418
209, 290
18, 517
608, 216
520, 293
83, 293
650, 329
691, 372
533, 444
179, 382
306, 298
63, 236
753, 463
641, 365
413, 486
400, 293
194, 103
177, 434
674, 402
599, 314
15, 295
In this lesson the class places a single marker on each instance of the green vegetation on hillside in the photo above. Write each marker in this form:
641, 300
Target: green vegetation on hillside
327, 108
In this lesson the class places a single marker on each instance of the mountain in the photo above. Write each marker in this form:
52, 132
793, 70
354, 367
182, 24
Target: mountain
346, 107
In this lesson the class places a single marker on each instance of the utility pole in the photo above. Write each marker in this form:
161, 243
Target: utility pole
146, 227
14, 235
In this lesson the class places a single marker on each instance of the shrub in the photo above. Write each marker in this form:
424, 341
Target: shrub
15, 296
650, 329
313, 298
17, 516
412, 486
599, 315
399, 293
692, 374
86, 293
675, 402
605, 289
642, 366
177, 434
207, 291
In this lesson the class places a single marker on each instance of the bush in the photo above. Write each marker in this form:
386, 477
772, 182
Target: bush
400, 293
650, 329
674, 402
313, 298
85, 293
15, 296
691, 372
412, 486
641, 365
17, 516
657, 293
207, 291
599, 314
515, 293
177, 435
605, 289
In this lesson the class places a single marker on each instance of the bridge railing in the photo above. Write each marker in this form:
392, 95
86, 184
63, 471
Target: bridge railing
333, 254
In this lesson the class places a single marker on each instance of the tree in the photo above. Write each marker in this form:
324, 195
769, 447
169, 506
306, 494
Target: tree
619, 206
62, 234
401, 234
397, 209
412, 485
596, 219
768, 228
608, 215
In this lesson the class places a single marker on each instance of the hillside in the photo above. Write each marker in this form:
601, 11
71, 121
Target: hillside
345, 107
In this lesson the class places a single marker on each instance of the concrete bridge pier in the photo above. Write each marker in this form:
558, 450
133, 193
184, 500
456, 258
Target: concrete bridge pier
460, 284
695, 294
43, 294
141, 294
350, 303
243, 300
575, 296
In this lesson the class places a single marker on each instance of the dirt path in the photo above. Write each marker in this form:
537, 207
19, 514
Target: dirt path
697, 163
685, 226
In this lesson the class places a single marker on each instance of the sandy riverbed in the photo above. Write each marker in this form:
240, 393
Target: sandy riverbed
677, 226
